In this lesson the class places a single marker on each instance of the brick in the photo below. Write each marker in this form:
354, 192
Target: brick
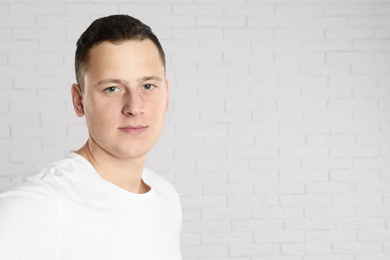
221, 21
14, 71
201, 178
252, 176
329, 211
374, 235
354, 151
295, 34
323, 22
93, 9
149, 9
304, 175
248, 33
269, 69
328, 163
229, 140
329, 188
17, 21
242, 201
190, 239
168, 21
300, 57
373, 211
226, 213
38, 33
330, 139
232, 69
304, 200
17, 9
224, 45
225, 117
330, 92
361, 128
203, 202
357, 248
40, 82
276, 45
303, 151
189, 189
357, 175
35, 155
353, 104
306, 248
374, 163
61, 21
195, 33
253, 250
252, 128
199, 57
280, 237
255, 9
222, 165
327, 69
35, 58
360, 223
228, 189
280, 139
185, 9
248, 57
373, 92
300, 128
251, 104
308, 224
252, 152
349, 10
37, 107
334, 236
275, 164
373, 186
259, 21
38, 132
307, 81
277, 213
279, 188
234, 238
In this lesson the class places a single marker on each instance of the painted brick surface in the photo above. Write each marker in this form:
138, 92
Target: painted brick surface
278, 135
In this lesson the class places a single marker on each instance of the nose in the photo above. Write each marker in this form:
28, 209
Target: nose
133, 104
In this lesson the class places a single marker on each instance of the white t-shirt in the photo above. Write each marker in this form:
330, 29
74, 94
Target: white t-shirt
67, 211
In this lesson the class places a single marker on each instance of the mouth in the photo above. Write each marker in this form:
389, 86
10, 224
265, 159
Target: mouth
133, 129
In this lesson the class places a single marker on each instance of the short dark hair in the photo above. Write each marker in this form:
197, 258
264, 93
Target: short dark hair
114, 28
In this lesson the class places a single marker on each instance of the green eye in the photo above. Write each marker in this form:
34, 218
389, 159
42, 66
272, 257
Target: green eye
148, 86
111, 89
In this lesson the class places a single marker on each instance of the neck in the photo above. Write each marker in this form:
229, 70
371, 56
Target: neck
125, 173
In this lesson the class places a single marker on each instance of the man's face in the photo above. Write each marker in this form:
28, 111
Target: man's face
125, 97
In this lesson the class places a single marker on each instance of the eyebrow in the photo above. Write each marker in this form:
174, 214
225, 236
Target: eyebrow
123, 82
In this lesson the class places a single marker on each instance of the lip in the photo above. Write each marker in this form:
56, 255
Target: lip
133, 129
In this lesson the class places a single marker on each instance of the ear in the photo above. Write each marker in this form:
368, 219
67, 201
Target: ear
77, 98
167, 98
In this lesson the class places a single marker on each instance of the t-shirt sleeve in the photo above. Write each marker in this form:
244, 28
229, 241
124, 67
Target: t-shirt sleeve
29, 223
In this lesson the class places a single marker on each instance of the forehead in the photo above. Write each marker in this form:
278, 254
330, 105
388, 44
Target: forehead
125, 57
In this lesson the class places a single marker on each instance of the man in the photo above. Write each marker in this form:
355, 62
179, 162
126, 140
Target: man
100, 202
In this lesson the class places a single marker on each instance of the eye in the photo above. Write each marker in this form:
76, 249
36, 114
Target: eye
148, 87
111, 89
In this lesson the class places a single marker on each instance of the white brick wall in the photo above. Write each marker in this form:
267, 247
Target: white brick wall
278, 134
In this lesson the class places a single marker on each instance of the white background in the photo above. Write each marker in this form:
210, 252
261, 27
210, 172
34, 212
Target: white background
278, 133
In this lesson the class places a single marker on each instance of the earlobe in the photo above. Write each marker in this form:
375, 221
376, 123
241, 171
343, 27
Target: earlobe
167, 98
77, 98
